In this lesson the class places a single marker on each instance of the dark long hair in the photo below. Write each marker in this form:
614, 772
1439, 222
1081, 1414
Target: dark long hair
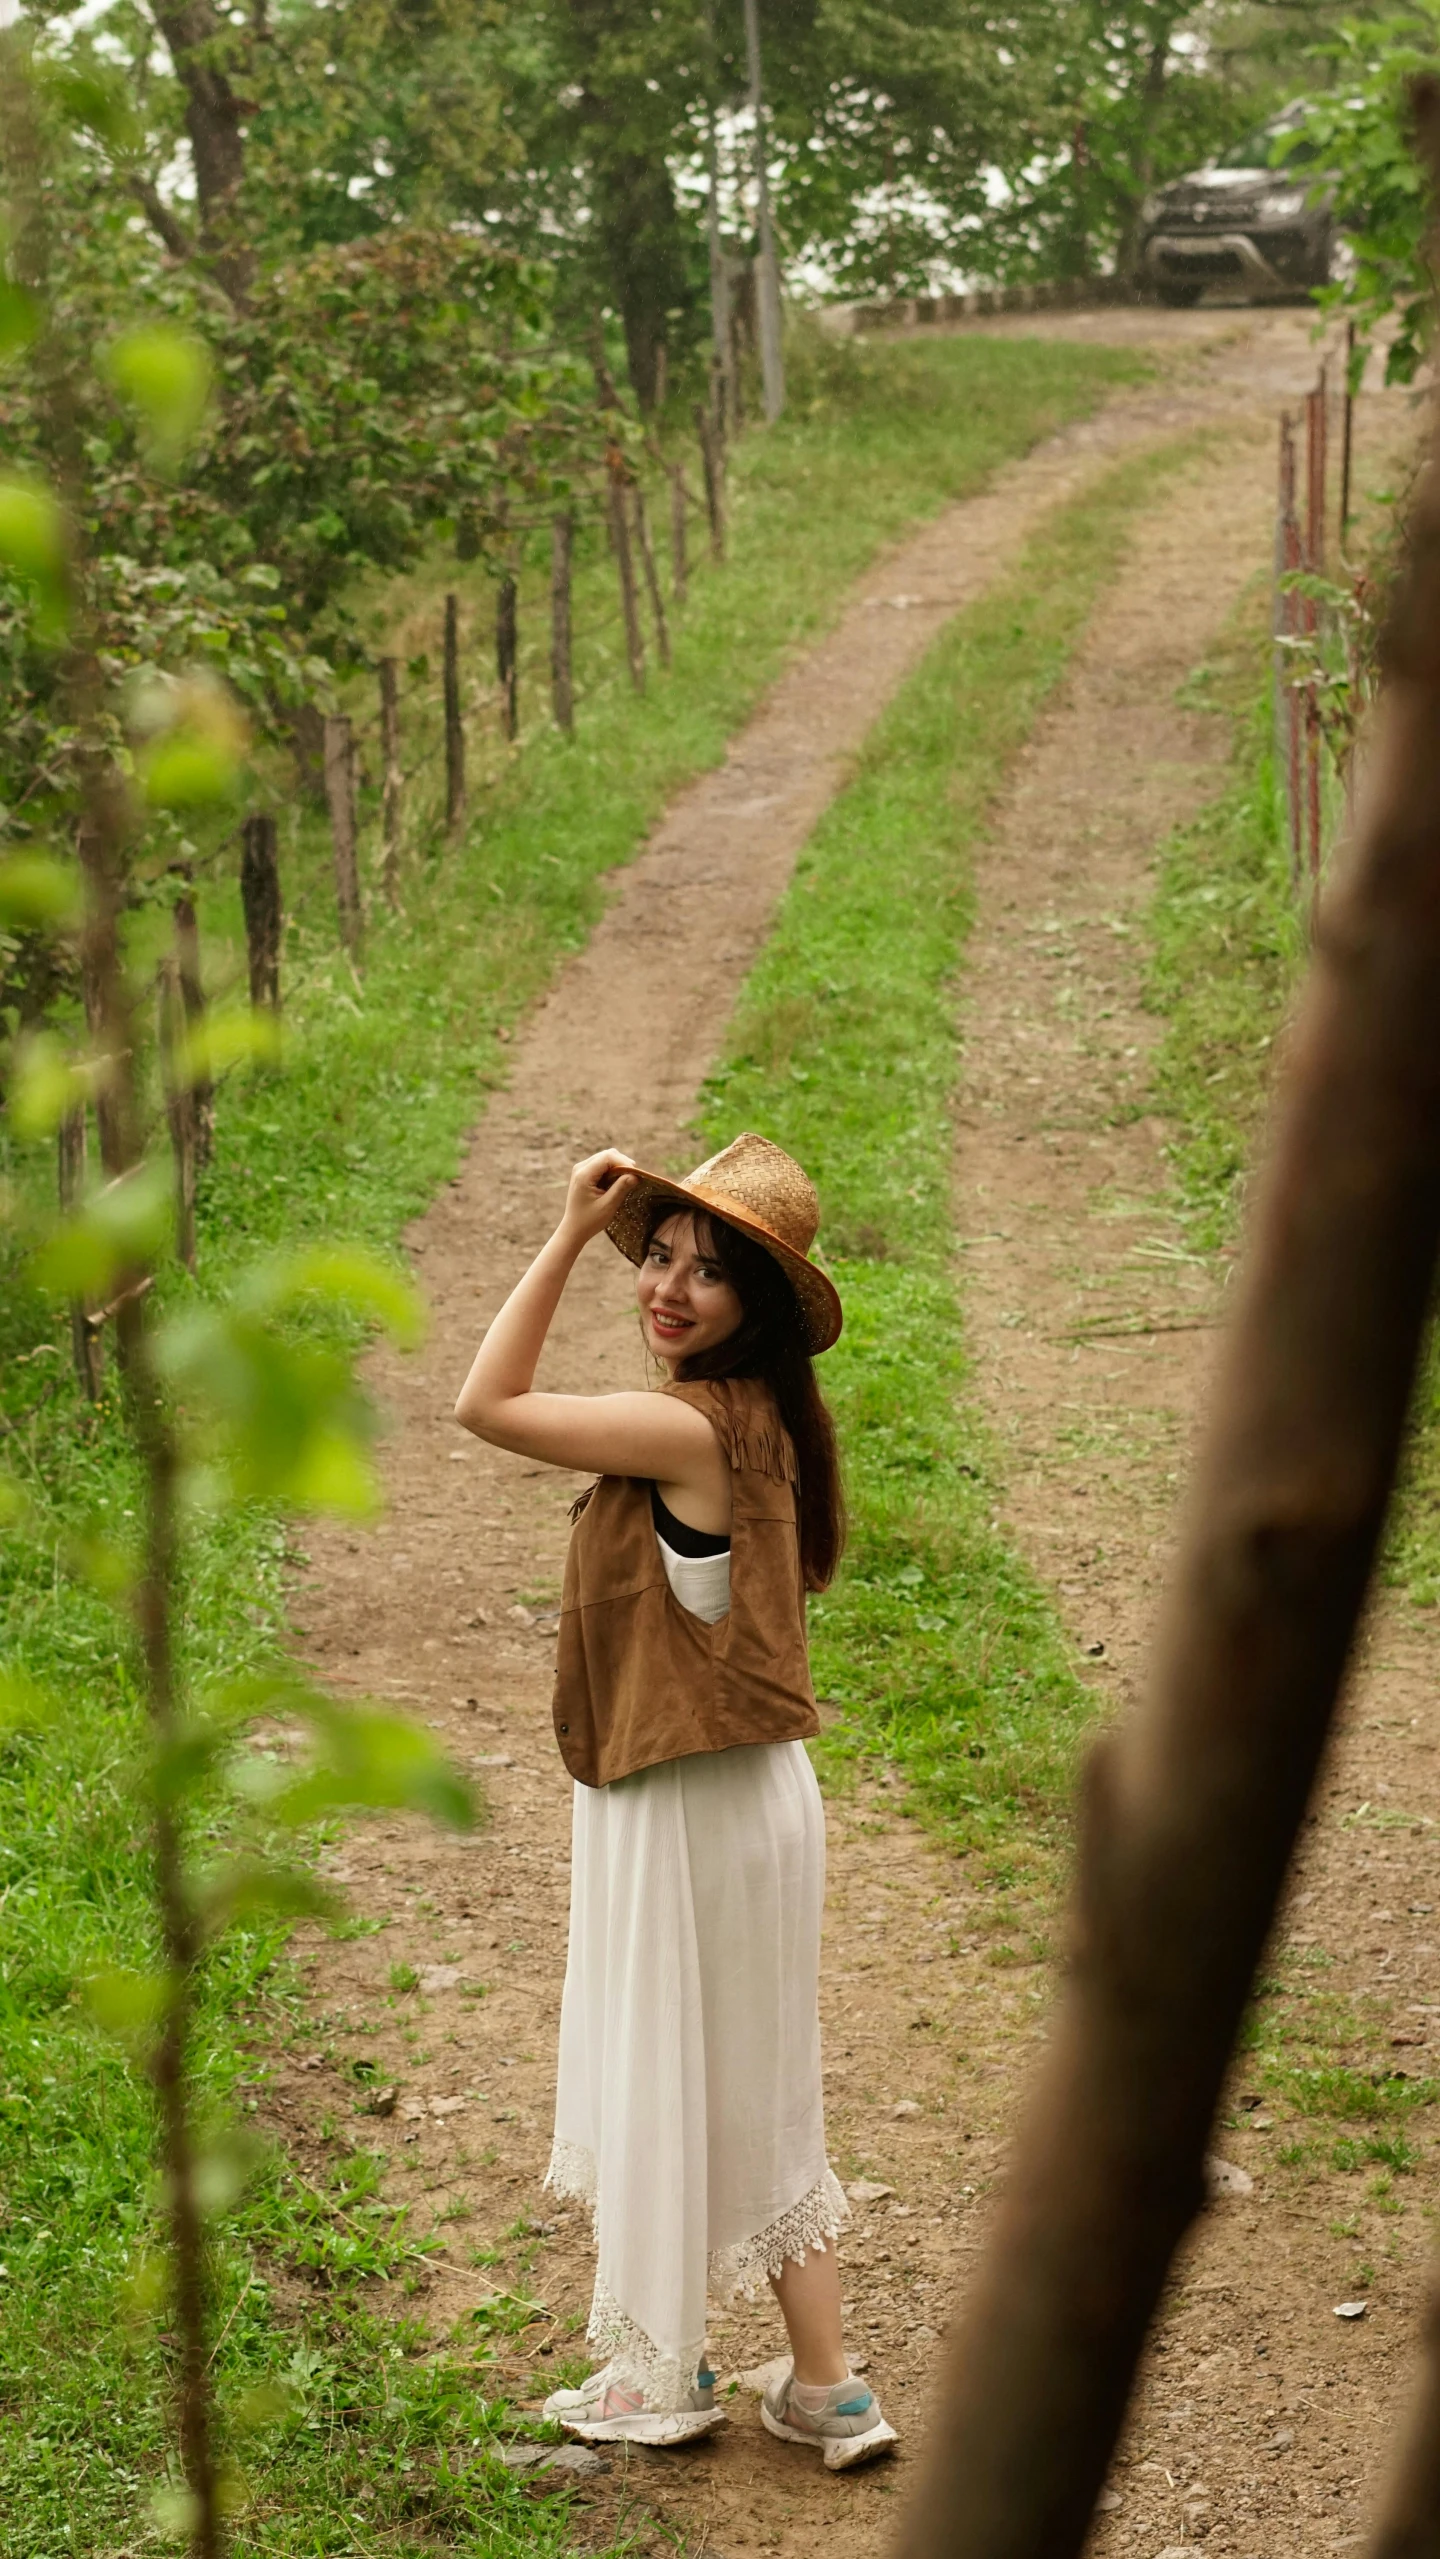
768, 1344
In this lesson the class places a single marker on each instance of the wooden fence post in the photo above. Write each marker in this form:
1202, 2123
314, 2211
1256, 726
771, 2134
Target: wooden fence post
192, 990
629, 605
506, 655
1347, 431
1316, 455
85, 1350
392, 788
605, 391
679, 559
737, 377
107, 1122
260, 899
562, 690
719, 418
179, 1104
714, 492
340, 799
454, 727
1317, 418
652, 582
1288, 557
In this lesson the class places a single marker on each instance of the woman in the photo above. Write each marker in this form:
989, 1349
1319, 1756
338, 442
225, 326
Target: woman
689, 2112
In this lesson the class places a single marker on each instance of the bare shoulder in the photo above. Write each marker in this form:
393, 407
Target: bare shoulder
630, 1433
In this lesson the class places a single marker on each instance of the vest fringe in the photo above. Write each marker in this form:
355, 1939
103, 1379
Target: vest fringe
757, 1442
766, 1451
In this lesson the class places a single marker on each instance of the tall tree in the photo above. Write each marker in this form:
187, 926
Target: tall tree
202, 47
636, 71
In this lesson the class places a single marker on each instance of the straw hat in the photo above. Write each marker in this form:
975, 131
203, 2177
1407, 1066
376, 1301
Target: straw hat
762, 1190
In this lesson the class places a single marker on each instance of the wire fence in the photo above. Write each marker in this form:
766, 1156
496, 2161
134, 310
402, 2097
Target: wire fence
403, 774
1318, 624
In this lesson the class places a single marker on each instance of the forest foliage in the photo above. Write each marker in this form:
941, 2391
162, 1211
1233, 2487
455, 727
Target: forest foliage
397, 229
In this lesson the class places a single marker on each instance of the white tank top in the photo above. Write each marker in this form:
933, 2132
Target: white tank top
701, 1583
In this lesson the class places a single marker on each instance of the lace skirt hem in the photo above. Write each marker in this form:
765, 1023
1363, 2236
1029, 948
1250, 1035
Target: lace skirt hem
745, 2266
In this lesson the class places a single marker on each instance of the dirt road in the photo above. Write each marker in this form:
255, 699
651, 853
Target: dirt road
1262, 2407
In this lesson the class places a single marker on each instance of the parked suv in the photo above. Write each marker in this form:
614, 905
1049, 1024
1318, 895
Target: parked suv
1242, 221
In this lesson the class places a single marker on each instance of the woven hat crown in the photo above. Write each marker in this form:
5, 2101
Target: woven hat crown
760, 1178
752, 1184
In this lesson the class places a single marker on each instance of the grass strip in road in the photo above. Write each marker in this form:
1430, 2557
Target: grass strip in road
937, 1643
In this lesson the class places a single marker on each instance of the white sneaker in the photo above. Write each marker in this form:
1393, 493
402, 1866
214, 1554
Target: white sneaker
849, 2428
605, 2410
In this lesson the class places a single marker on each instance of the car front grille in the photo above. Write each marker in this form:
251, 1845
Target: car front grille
1188, 256
1198, 265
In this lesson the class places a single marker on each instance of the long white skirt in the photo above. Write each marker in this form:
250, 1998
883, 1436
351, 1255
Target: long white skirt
689, 2112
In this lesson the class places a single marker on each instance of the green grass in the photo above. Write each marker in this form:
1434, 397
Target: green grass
1227, 946
937, 1642
348, 1142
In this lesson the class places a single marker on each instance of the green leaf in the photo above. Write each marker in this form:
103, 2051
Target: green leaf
44, 1084
276, 1694
94, 103
187, 1758
19, 318
34, 546
189, 772
166, 375
223, 2170
366, 1758
223, 1040
174, 2514
37, 894
289, 1423
125, 1229
129, 2005
24, 1704
262, 2405
110, 1568
149, 2281
341, 1276
194, 754
249, 1888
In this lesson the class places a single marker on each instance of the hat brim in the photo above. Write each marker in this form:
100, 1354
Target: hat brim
821, 1314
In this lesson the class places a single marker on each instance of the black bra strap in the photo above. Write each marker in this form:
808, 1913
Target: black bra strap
679, 1536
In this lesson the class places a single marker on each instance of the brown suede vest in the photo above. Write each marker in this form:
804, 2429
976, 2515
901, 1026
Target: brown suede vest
639, 1680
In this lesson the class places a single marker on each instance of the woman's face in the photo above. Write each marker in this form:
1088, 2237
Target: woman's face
686, 1302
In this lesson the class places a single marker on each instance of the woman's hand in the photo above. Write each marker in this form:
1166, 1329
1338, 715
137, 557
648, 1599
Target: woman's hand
596, 1189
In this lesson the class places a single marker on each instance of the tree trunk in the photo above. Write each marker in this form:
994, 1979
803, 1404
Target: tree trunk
198, 38
1152, 98
639, 234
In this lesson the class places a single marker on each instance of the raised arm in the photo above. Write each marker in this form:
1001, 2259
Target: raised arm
633, 1434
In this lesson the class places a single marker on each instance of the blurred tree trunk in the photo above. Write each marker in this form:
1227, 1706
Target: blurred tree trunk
634, 67
638, 231
200, 45
1152, 99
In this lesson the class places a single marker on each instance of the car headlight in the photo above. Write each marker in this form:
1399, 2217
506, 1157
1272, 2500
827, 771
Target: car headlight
1151, 209
1283, 204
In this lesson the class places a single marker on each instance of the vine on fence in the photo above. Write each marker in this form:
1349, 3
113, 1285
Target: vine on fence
619, 507
1325, 623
